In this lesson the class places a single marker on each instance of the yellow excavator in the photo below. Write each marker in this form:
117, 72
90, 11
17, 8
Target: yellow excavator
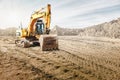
38, 31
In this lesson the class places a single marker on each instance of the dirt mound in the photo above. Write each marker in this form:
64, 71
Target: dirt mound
109, 29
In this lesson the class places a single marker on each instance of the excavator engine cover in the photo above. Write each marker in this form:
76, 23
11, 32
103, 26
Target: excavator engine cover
48, 42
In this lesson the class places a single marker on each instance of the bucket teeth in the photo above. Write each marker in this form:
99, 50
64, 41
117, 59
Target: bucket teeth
50, 49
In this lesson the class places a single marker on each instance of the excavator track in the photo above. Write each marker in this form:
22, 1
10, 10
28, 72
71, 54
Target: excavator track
22, 43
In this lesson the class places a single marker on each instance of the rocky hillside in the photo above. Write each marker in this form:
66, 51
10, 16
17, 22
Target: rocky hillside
65, 31
8, 31
108, 29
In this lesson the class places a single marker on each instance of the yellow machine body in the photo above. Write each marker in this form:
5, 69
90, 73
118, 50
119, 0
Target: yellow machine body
32, 33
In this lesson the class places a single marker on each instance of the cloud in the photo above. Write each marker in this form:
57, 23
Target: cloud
92, 12
79, 13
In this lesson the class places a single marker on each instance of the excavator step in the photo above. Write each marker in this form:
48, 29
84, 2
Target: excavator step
48, 42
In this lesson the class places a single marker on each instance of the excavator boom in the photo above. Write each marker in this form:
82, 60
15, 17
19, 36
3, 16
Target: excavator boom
45, 14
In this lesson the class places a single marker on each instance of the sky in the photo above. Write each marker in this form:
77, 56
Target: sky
65, 13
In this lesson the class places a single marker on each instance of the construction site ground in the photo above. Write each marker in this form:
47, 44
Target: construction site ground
78, 58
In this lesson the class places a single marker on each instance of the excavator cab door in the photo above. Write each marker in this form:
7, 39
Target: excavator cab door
39, 27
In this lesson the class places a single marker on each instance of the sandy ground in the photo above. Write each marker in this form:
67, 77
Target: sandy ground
79, 58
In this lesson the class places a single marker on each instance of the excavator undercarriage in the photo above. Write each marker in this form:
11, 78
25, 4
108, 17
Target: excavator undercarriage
46, 42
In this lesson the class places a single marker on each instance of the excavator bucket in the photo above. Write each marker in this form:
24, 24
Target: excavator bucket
48, 42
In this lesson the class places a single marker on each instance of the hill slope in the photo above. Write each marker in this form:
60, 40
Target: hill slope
108, 29
65, 31
8, 31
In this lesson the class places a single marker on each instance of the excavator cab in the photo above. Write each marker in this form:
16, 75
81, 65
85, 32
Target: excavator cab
39, 27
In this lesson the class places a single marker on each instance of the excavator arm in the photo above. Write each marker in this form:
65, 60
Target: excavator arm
45, 14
